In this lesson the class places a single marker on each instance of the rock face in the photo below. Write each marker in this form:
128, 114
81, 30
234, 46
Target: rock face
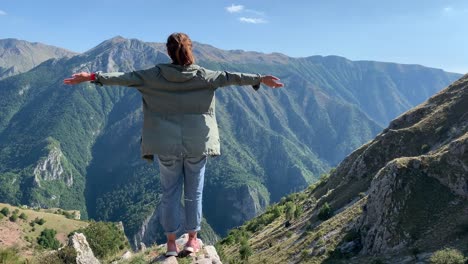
84, 254
51, 168
148, 232
421, 198
246, 204
415, 175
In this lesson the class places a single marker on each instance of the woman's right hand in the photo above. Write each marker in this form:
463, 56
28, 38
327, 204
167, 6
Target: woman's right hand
271, 81
78, 78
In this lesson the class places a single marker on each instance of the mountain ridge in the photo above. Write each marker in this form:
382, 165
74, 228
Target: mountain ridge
17, 56
274, 141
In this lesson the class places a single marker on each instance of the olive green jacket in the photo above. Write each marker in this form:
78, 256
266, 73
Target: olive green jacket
178, 106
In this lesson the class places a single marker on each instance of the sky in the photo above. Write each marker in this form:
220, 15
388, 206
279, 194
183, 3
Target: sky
432, 33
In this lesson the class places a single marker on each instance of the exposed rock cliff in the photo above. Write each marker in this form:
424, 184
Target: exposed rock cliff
51, 168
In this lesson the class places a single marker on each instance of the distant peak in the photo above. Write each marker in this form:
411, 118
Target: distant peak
118, 37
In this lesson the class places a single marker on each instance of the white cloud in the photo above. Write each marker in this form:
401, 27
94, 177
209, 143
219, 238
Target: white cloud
2, 13
235, 8
252, 20
258, 16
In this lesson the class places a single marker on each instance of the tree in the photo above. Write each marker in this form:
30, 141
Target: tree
47, 239
5, 211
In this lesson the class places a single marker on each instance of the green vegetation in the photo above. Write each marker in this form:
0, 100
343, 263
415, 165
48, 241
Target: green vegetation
5, 211
448, 256
47, 239
325, 212
39, 221
23, 216
13, 217
105, 239
10, 256
290, 209
245, 250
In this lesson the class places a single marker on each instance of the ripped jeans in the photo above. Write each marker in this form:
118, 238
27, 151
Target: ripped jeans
177, 172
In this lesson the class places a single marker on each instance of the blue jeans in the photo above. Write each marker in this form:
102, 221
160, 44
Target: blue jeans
175, 172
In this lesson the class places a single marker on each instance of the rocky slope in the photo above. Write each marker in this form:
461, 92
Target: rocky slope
78, 147
17, 56
396, 199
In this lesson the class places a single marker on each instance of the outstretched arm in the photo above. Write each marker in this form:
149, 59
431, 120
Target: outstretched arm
224, 78
131, 79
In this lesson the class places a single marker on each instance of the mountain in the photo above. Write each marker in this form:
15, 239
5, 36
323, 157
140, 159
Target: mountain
78, 147
396, 199
17, 56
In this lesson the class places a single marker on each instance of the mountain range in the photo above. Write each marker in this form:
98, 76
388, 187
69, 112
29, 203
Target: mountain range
78, 147
18, 56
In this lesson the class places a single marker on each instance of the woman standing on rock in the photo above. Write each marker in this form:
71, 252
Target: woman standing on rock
179, 127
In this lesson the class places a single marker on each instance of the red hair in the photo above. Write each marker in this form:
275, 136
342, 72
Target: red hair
179, 47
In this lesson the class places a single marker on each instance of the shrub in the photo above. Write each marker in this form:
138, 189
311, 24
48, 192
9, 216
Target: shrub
245, 250
277, 211
298, 212
68, 215
305, 254
23, 216
290, 209
67, 255
447, 256
47, 239
5, 211
325, 212
228, 240
13, 217
105, 239
39, 221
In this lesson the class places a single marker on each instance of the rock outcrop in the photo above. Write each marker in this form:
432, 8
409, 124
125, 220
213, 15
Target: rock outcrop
206, 255
84, 254
51, 168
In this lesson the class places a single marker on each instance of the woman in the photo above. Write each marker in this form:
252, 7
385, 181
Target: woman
179, 127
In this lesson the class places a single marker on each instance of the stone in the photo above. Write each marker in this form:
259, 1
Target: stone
127, 255
84, 254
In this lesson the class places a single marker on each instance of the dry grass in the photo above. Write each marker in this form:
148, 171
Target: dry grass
23, 236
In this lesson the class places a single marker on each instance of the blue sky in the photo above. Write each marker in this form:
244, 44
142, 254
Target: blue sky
430, 32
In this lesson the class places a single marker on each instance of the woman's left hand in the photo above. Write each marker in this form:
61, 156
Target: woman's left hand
78, 78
